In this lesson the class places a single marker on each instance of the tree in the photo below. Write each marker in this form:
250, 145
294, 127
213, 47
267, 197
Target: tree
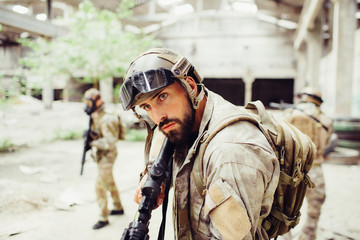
96, 47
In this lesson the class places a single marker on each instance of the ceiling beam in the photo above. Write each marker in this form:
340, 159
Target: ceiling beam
29, 24
308, 15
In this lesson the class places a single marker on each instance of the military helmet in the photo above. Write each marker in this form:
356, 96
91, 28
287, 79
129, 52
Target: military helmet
92, 93
311, 95
91, 96
153, 70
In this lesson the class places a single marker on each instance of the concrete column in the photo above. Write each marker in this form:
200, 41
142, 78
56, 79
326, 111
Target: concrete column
199, 9
66, 92
343, 34
300, 80
151, 8
106, 90
313, 43
248, 80
47, 93
355, 110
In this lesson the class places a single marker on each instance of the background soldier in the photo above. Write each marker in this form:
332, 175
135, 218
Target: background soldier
104, 131
308, 117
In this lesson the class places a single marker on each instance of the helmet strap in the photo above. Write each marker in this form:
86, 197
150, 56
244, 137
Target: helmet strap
195, 100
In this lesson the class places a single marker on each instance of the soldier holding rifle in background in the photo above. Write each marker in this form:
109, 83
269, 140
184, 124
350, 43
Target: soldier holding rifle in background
104, 132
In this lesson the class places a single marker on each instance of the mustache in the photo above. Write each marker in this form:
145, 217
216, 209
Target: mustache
167, 120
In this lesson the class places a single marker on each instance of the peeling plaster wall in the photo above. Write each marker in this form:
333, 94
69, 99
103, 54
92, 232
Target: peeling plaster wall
226, 48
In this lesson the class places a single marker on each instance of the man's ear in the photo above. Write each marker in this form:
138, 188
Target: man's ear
191, 82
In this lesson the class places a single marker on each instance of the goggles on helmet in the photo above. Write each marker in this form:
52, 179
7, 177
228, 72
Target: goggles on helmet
317, 98
142, 83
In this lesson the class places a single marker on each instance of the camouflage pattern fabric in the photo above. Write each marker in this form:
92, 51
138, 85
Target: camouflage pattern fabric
315, 196
105, 183
104, 152
317, 133
241, 172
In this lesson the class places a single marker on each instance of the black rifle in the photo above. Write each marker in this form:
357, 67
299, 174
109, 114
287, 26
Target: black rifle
87, 146
158, 173
281, 105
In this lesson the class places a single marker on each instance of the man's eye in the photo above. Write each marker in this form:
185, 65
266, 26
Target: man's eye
163, 96
146, 107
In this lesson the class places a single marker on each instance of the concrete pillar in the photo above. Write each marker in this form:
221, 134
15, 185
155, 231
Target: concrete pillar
66, 92
300, 80
343, 36
248, 80
151, 8
47, 93
355, 110
314, 48
106, 90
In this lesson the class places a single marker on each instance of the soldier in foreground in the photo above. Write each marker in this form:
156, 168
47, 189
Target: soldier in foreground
308, 117
241, 170
104, 132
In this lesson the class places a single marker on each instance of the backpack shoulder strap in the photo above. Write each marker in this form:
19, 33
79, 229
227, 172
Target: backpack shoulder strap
265, 118
197, 172
314, 118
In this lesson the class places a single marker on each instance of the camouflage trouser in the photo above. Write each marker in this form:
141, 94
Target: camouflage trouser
315, 198
104, 183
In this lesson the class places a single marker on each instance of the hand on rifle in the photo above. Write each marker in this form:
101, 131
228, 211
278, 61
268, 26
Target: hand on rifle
138, 195
94, 135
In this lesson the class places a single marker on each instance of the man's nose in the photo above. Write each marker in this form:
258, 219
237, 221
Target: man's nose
158, 115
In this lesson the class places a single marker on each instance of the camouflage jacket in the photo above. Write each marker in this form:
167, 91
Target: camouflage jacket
241, 173
105, 125
319, 132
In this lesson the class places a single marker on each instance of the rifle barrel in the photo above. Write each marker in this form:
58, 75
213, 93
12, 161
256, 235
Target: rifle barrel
86, 146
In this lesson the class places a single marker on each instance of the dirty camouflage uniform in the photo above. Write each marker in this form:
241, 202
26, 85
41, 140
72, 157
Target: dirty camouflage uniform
299, 117
104, 152
241, 174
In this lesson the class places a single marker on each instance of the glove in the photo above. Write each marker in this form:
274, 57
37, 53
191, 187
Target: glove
94, 135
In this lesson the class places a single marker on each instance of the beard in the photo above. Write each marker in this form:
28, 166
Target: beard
181, 136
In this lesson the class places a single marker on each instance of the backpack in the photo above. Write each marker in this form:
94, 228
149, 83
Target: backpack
295, 152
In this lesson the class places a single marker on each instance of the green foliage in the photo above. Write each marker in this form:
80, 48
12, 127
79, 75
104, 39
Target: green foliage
97, 46
62, 134
20, 80
12, 90
136, 134
124, 10
116, 93
67, 134
6, 145
42, 59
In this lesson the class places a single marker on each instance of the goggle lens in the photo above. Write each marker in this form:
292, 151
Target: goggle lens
144, 82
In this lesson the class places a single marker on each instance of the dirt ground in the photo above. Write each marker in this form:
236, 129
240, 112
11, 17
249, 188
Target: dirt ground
43, 196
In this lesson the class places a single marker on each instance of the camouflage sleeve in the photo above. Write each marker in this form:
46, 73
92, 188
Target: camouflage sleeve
240, 189
109, 133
